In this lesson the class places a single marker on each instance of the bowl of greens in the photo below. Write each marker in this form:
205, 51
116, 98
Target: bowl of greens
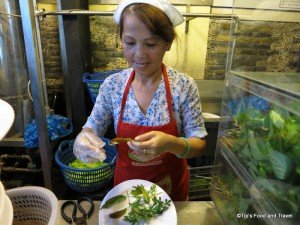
85, 177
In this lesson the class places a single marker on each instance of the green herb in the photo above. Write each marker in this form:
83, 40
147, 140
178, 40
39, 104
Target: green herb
267, 144
113, 201
277, 120
146, 205
82, 165
282, 164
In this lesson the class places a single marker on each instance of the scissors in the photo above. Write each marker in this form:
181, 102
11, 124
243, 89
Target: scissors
78, 220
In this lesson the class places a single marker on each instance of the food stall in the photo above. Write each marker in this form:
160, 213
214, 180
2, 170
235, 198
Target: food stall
246, 66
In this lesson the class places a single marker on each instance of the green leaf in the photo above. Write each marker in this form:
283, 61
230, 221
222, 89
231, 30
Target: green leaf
137, 190
262, 172
276, 119
246, 152
296, 153
256, 153
282, 164
252, 168
291, 132
298, 169
241, 118
113, 201
244, 204
146, 195
142, 211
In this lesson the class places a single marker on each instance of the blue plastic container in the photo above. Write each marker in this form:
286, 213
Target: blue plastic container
85, 180
94, 80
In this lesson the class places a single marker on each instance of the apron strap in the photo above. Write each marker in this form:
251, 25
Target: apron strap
168, 92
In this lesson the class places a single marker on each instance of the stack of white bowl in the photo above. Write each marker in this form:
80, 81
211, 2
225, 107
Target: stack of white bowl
6, 208
6, 120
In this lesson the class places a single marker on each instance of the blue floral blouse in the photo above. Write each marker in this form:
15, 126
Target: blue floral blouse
186, 105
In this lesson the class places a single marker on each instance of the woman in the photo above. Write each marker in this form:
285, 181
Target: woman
156, 106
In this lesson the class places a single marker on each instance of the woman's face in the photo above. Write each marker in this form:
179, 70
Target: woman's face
143, 50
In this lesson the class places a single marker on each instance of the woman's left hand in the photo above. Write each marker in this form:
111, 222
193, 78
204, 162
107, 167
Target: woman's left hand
152, 143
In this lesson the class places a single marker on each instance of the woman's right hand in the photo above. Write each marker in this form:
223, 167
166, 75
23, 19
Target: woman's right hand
88, 147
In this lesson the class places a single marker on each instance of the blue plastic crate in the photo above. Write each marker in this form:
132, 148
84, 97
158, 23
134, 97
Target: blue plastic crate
85, 180
94, 80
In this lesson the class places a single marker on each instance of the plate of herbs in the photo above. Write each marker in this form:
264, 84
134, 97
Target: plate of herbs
137, 202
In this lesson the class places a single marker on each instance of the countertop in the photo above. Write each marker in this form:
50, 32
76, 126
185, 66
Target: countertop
188, 213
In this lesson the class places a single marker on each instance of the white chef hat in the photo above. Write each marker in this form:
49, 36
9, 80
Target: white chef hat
173, 14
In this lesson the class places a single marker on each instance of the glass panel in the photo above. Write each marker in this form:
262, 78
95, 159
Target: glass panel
257, 164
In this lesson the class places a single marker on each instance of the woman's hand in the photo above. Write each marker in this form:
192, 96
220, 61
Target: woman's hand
88, 147
151, 143
156, 143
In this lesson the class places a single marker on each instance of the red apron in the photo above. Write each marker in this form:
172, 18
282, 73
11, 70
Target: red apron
167, 171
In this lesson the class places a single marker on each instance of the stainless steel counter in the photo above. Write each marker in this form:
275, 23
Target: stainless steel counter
188, 213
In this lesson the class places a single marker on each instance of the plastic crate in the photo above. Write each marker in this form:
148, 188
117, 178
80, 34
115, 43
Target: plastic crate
200, 180
34, 205
93, 82
85, 180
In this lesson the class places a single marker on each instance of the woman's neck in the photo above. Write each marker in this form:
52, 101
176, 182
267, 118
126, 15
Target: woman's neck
147, 81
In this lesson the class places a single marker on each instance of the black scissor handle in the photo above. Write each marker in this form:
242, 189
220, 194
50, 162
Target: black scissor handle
81, 209
62, 211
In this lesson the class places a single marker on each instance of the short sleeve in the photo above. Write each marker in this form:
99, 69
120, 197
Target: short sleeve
101, 115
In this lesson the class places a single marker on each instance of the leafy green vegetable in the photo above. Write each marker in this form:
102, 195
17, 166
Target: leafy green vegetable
282, 164
267, 144
255, 151
146, 205
277, 120
113, 201
298, 169
82, 165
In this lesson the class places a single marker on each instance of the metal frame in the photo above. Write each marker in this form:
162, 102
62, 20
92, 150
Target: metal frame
44, 13
72, 61
35, 75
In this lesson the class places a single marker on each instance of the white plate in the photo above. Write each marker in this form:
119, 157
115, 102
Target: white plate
2, 199
7, 217
7, 116
168, 217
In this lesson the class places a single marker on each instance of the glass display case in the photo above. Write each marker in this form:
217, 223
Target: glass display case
256, 177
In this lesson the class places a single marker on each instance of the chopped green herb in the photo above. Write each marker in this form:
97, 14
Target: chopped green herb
146, 205
82, 165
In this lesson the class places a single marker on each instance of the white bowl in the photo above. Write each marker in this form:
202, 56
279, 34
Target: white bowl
6, 208
7, 216
2, 199
7, 116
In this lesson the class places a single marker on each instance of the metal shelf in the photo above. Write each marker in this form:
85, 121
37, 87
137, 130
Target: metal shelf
12, 142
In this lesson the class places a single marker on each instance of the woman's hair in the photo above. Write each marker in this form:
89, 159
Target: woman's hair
154, 18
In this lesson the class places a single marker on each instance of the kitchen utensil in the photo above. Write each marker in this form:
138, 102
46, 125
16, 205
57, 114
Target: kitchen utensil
133, 155
33, 204
78, 205
116, 141
85, 180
